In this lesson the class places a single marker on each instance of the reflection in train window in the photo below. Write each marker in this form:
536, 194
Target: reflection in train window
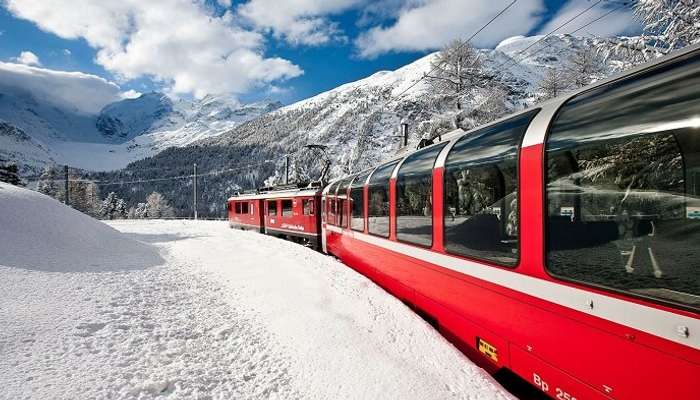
623, 167
357, 198
342, 202
414, 197
378, 194
481, 192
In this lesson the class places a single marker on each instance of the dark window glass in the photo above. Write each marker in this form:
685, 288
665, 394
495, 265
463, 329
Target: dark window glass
357, 198
244, 207
287, 208
272, 207
414, 197
378, 191
481, 192
323, 209
308, 205
623, 190
238, 207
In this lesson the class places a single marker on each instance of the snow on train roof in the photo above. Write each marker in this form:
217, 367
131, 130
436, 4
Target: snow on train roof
277, 194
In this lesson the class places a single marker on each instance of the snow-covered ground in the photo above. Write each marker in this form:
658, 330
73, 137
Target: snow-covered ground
209, 313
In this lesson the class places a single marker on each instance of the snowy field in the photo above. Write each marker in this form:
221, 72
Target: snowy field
195, 310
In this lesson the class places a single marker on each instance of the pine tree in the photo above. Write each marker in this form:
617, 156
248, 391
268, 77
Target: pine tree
50, 183
157, 206
9, 173
112, 207
456, 69
552, 85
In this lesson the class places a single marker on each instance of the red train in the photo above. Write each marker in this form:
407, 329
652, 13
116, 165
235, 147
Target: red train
290, 213
561, 243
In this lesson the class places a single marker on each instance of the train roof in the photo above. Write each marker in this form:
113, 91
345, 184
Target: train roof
277, 194
552, 104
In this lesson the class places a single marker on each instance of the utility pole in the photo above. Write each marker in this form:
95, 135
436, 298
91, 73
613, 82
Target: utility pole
194, 186
286, 169
66, 196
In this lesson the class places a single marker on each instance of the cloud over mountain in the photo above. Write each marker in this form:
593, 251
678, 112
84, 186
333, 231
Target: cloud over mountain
67, 90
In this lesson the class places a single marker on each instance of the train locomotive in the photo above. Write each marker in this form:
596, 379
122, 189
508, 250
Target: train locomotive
561, 243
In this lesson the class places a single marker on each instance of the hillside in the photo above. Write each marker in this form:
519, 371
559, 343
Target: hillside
357, 121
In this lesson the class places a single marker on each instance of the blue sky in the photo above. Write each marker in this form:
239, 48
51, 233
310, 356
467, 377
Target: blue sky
258, 49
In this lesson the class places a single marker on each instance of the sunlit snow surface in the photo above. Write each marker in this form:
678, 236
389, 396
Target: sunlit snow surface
215, 313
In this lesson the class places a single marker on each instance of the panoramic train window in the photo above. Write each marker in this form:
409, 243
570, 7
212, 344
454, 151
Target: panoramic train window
308, 205
414, 197
357, 199
378, 197
331, 203
481, 192
287, 208
623, 190
342, 202
272, 207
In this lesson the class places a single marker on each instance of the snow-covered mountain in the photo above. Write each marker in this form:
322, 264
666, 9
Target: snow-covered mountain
122, 132
359, 121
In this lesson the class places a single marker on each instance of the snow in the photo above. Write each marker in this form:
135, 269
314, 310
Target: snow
223, 314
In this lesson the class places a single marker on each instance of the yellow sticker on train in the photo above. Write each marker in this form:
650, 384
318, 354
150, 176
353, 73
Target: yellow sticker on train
487, 349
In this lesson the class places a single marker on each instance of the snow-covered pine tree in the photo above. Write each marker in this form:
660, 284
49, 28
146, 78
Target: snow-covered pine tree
84, 195
455, 70
9, 173
50, 183
157, 206
585, 67
552, 85
668, 25
112, 207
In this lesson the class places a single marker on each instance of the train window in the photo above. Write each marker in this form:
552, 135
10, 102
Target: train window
272, 207
323, 209
287, 208
378, 207
331, 203
343, 202
357, 199
414, 197
623, 186
481, 192
308, 206
238, 207
244, 207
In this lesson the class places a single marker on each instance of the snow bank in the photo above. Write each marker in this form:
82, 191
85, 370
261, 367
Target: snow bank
39, 233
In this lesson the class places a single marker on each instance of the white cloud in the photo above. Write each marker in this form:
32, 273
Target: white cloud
27, 58
69, 90
299, 22
176, 42
429, 24
130, 94
619, 22
66, 52
224, 3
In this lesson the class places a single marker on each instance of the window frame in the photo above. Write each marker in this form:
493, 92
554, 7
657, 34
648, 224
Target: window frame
267, 205
443, 146
518, 148
586, 285
290, 211
366, 173
388, 188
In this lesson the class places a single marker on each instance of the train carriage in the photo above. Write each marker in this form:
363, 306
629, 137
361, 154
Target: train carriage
561, 243
287, 213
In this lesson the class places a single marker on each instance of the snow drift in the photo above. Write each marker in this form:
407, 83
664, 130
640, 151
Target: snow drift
39, 233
